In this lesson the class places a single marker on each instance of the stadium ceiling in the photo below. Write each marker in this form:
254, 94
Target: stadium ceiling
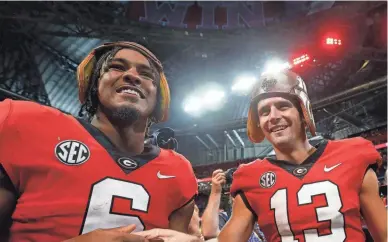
41, 44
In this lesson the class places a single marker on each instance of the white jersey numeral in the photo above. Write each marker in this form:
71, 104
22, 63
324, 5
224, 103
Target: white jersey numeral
331, 212
99, 214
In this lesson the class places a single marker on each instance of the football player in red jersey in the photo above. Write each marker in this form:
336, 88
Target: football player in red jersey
62, 177
304, 193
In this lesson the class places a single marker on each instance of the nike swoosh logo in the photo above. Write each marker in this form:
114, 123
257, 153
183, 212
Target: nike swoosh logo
160, 176
327, 169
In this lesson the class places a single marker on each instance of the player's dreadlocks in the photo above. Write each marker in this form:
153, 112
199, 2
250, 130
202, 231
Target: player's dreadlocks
89, 108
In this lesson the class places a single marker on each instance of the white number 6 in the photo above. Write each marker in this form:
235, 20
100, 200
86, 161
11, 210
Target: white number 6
99, 214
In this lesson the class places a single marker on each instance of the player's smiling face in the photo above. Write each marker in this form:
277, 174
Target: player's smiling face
280, 121
129, 83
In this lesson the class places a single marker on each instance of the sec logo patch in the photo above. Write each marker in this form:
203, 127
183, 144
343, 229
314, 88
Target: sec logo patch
72, 152
268, 179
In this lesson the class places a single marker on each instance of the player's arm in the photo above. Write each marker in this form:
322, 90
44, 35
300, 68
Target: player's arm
7, 189
210, 217
7, 201
372, 207
180, 219
240, 225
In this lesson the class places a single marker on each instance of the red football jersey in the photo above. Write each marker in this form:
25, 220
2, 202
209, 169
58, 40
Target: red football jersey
315, 201
69, 183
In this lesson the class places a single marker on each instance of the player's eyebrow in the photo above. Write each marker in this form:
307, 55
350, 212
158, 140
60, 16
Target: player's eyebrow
284, 103
121, 60
128, 63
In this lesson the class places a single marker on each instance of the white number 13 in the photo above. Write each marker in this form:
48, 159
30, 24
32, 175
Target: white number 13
330, 212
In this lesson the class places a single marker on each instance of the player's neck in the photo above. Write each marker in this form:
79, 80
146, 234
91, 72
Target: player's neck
295, 154
128, 139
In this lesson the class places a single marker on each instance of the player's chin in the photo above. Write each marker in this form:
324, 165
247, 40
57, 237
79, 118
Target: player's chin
142, 108
280, 140
130, 108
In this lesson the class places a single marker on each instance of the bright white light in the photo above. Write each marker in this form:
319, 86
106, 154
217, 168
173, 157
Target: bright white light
243, 84
204, 101
275, 66
192, 105
212, 99
213, 96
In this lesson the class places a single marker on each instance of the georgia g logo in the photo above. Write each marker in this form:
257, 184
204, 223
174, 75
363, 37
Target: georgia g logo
127, 163
72, 152
300, 171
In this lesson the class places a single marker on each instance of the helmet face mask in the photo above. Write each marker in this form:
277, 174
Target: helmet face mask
284, 84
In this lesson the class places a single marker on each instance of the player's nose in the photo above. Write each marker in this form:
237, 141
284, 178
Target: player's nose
131, 76
274, 115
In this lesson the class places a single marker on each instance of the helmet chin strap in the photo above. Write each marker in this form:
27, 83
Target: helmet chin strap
311, 151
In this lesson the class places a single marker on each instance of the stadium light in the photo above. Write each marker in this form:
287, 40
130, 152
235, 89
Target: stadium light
202, 102
192, 105
243, 84
275, 66
301, 59
333, 41
213, 99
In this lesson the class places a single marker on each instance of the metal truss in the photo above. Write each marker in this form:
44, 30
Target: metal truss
353, 116
22, 24
372, 54
107, 20
322, 77
103, 20
19, 73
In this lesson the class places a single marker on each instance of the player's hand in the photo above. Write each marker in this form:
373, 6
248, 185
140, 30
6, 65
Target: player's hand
167, 235
218, 179
121, 234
